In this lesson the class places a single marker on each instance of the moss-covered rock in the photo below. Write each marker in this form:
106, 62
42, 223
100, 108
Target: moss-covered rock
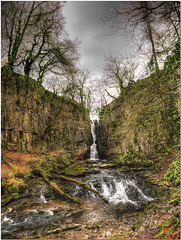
160, 188
75, 170
16, 185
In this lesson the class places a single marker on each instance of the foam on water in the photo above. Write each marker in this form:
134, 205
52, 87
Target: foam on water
6, 219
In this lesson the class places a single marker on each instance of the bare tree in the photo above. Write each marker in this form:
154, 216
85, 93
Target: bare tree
17, 17
146, 23
60, 59
118, 74
37, 39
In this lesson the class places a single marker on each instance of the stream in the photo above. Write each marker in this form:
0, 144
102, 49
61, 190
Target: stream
38, 211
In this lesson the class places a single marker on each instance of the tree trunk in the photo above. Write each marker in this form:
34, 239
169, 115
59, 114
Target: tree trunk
56, 188
84, 185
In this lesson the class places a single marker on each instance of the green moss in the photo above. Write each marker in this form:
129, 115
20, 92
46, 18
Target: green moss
173, 173
124, 169
157, 186
177, 194
16, 185
75, 170
29, 176
175, 200
65, 160
169, 227
136, 226
177, 214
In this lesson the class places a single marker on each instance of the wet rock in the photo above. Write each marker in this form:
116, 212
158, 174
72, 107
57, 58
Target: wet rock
132, 193
124, 208
93, 171
95, 165
7, 235
107, 165
104, 161
89, 161
75, 170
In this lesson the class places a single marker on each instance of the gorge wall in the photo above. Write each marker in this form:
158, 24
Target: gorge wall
143, 120
34, 118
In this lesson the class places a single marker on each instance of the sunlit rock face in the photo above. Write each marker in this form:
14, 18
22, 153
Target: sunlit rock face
34, 118
133, 123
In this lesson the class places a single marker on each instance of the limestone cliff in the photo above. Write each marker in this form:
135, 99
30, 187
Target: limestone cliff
34, 118
143, 120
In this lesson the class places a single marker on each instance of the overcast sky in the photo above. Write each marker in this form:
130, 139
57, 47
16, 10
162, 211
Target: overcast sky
83, 20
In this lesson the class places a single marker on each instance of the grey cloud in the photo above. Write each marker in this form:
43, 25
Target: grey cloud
84, 21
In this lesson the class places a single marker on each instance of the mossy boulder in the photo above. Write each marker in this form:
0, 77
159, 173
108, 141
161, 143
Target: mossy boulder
16, 185
107, 165
89, 161
75, 170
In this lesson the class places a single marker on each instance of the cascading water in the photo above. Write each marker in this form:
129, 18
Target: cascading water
119, 188
42, 197
116, 189
93, 148
37, 212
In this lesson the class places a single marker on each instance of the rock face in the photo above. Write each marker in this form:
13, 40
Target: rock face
34, 118
141, 121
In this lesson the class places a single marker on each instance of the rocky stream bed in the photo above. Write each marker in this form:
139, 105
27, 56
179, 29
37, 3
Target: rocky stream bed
134, 209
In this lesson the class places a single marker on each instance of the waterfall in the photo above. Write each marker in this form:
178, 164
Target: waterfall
93, 148
42, 197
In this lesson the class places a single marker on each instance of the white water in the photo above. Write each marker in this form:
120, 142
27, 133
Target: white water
120, 194
93, 148
49, 212
116, 194
42, 197
10, 221
122, 189
114, 190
